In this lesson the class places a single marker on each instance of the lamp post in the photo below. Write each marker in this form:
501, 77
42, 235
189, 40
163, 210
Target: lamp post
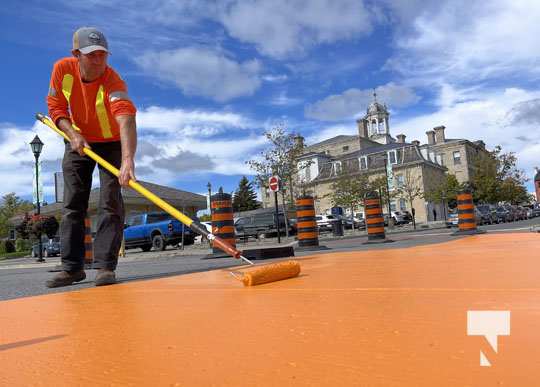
390, 219
37, 146
209, 186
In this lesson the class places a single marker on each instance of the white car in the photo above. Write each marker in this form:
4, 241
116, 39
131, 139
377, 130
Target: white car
198, 238
324, 222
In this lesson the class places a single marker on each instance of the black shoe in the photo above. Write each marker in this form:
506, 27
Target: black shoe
66, 278
105, 277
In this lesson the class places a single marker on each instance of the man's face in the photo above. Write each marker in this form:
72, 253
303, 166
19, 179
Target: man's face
93, 65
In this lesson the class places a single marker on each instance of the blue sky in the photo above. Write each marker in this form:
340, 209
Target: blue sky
208, 77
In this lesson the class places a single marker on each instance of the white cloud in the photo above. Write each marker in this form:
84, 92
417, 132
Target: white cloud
471, 41
489, 116
203, 72
327, 132
181, 122
280, 28
353, 101
282, 99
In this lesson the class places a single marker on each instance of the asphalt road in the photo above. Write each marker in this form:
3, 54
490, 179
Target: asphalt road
24, 277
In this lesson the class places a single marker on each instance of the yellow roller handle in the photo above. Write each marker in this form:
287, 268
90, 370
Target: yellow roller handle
218, 242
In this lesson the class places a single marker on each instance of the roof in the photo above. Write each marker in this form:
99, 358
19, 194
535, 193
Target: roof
340, 138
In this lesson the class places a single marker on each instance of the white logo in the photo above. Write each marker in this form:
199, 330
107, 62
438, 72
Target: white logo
489, 324
93, 37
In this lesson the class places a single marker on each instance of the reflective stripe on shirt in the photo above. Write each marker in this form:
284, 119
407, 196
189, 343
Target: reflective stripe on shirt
102, 113
67, 85
118, 95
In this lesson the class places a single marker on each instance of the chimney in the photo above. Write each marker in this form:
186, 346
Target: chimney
299, 141
401, 138
439, 134
416, 143
362, 128
430, 137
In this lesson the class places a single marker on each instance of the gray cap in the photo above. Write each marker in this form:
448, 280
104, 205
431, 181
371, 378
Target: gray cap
88, 39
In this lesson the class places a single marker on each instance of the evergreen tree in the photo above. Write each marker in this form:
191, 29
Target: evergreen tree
245, 198
10, 206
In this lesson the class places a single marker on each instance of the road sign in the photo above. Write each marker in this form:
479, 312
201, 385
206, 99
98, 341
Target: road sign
273, 183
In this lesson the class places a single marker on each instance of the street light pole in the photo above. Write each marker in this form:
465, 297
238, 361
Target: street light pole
37, 146
209, 186
387, 188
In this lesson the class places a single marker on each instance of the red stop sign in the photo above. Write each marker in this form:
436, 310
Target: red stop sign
273, 183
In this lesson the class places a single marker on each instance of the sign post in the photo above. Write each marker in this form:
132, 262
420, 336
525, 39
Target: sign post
273, 184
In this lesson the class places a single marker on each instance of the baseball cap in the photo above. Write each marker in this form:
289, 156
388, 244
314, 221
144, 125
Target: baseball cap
88, 39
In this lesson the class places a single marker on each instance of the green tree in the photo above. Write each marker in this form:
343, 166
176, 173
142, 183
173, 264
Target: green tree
497, 178
10, 206
349, 191
245, 198
446, 192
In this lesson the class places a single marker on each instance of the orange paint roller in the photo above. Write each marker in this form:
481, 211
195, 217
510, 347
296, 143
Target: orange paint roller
258, 275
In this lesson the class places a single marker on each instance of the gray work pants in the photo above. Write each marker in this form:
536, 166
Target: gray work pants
78, 171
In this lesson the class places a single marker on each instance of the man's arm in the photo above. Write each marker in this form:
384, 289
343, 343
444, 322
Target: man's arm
77, 141
128, 138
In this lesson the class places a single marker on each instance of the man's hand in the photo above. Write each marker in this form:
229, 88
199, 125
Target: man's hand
128, 138
78, 142
127, 171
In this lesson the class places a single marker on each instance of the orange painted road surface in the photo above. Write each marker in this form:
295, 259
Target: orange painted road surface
393, 317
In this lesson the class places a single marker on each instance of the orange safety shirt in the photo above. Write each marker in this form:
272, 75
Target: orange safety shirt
90, 106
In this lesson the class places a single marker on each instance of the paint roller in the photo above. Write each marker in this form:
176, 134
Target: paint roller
253, 275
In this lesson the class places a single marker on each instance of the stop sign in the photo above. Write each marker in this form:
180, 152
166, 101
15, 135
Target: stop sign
273, 183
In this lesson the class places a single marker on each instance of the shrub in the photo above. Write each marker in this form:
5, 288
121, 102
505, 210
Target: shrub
9, 246
22, 245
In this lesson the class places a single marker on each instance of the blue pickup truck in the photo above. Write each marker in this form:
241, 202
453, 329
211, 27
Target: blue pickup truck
155, 230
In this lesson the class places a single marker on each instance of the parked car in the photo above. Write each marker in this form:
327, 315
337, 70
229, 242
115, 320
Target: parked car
324, 222
452, 220
488, 214
503, 215
49, 247
522, 212
478, 216
536, 210
348, 222
512, 213
198, 239
155, 230
402, 217
261, 224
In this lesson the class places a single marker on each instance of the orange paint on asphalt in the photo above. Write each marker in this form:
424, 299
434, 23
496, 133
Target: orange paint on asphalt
393, 317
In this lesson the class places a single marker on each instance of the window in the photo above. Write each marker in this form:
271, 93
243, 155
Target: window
399, 180
337, 167
363, 162
392, 157
381, 127
155, 218
308, 173
441, 159
345, 148
402, 204
136, 220
392, 206
457, 157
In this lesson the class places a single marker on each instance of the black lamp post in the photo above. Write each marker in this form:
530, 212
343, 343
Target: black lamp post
209, 186
387, 188
37, 146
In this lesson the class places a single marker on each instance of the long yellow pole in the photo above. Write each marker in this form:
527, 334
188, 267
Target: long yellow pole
218, 242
